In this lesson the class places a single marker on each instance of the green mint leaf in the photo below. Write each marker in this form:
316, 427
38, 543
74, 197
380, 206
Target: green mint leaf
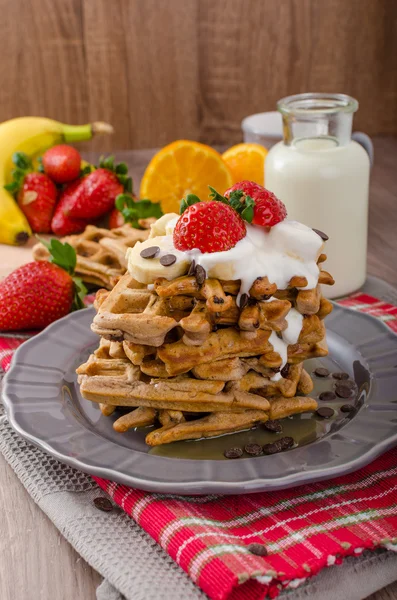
188, 201
63, 255
22, 161
80, 292
133, 211
214, 195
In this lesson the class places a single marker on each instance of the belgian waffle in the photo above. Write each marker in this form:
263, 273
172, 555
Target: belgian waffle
101, 252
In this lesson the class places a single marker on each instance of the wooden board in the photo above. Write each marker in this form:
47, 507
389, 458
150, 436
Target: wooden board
193, 68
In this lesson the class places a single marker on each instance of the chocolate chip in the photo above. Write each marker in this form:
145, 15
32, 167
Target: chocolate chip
322, 235
321, 372
325, 412
340, 375
282, 444
103, 503
343, 391
200, 274
192, 268
253, 449
218, 300
348, 383
327, 396
243, 301
257, 549
150, 252
285, 370
348, 408
167, 260
274, 426
233, 453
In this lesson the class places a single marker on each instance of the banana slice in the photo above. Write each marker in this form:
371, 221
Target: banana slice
161, 226
147, 270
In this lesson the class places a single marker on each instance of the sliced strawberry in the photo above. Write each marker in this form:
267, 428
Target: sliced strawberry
208, 226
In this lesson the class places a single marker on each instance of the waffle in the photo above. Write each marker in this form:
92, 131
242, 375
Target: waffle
101, 252
195, 359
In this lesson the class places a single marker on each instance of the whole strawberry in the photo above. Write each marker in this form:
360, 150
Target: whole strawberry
34, 296
39, 293
96, 193
247, 196
62, 224
208, 226
35, 193
62, 163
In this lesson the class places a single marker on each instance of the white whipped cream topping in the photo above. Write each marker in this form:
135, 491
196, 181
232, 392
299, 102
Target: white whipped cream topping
290, 335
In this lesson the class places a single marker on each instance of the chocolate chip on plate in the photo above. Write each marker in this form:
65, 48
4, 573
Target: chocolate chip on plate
281, 444
253, 449
349, 383
343, 391
321, 372
340, 375
322, 235
243, 301
150, 252
103, 503
167, 260
325, 412
348, 408
192, 268
273, 425
200, 274
257, 549
327, 396
233, 453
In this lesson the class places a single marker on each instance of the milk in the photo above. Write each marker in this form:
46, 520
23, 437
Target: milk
325, 185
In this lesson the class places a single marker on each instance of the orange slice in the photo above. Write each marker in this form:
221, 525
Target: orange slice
246, 161
184, 167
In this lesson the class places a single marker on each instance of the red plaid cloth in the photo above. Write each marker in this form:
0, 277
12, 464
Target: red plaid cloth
304, 529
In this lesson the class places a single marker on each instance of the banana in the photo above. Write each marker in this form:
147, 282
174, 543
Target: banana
163, 225
31, 135
147, 270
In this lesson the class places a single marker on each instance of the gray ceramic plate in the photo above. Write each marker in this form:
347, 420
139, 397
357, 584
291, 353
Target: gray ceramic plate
44, 405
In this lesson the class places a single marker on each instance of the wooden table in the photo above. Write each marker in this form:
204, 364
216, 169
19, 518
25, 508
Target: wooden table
36, 561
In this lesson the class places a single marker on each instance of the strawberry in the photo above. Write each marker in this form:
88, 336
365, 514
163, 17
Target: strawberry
208, 226
35, 193
62, 163
97, 192
116, 219
261, 206
61, 223
38, 293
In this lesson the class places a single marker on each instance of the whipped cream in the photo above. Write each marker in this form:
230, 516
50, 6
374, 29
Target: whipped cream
290, 335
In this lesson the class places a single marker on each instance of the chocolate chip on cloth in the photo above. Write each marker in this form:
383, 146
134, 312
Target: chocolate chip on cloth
168, 260
253, 449
102, 503
325, 412
200, 274
327, 396
150, 252
283, 444
321, 372
257, 549
233, 453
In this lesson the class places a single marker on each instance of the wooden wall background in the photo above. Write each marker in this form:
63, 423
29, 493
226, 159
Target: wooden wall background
163, 69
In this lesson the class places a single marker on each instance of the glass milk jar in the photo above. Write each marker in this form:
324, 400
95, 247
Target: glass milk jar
322, 176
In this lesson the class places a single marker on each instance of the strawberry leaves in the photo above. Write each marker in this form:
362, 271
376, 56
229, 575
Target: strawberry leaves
133, 211
23, 165
242, 203
64, 256
188, 201
121, 170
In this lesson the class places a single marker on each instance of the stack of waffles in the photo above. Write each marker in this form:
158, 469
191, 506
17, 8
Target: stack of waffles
196, 358
101, 253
